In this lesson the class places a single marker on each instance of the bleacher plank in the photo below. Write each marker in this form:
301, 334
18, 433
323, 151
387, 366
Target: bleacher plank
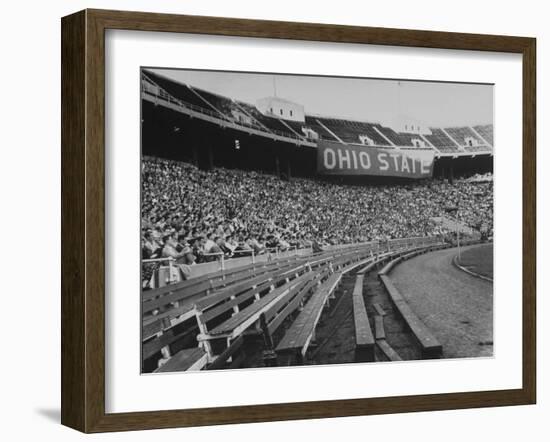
430, 346
199, 290
379, 309
232, 300
364, 341
187, 359
275, 315
225, 293
216, 304
246, 317
388, 351
389, 266
379, 331
300, 333
168, 337
221, 359
204, 280
156, 323
240, 286
275, 319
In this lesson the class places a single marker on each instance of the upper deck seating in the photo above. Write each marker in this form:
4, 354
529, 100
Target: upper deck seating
178, 91
314, 125
462, 134
222, 104
441, 141
349, 131
272, 124
486, 131
398, 138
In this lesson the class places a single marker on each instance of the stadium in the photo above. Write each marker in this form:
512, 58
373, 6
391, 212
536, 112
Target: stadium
272, 236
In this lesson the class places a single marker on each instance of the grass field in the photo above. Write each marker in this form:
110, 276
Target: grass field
479, 260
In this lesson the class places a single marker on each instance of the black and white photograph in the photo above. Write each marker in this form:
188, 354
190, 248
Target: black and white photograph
296, 220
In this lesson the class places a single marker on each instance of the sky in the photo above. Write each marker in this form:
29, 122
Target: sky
363, 99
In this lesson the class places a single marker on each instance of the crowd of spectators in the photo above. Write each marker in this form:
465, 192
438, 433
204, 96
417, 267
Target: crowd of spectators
195, 216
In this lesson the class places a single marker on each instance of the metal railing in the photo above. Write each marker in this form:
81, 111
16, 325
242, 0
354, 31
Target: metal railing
221, 256
162, 95
222, 262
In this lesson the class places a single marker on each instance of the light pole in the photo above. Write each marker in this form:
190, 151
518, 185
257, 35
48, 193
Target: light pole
454, 209
457, 237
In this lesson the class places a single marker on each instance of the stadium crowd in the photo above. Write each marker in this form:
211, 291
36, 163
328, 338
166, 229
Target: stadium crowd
194, 215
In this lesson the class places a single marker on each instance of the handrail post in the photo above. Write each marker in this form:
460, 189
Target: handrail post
169, 271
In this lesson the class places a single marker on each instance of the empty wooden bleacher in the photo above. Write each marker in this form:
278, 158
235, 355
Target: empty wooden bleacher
364, 340
294, 344
216, 307
221, 308
429, 345
188, 359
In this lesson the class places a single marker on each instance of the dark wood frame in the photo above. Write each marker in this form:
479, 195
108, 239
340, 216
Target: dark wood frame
83, 218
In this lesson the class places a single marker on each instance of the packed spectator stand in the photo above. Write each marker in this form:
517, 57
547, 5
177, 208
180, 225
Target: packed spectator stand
195, 215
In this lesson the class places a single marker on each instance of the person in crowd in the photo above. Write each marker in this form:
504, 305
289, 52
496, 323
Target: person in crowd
150, 248
255, 245
181, 258
235, 212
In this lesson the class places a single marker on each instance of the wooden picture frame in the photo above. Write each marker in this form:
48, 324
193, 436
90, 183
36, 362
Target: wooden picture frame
83, 220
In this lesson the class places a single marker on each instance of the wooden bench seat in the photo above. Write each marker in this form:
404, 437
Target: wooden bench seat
163, 331
223, 294
298, 337
186, 308
387, 350
232, 299
429, 345
379, 331
234, 348
377, 259
274, 316
281, 311
187, 359
248, 316
379, 309
390, 265
205, 286
184, 332
364, 341
190, 284
176, 326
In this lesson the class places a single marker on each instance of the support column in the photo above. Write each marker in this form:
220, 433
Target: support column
210, 157
195, 155
277, 166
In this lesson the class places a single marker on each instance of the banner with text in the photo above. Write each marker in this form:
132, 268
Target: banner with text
335, 158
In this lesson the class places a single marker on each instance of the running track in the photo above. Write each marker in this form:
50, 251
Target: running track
457, 307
